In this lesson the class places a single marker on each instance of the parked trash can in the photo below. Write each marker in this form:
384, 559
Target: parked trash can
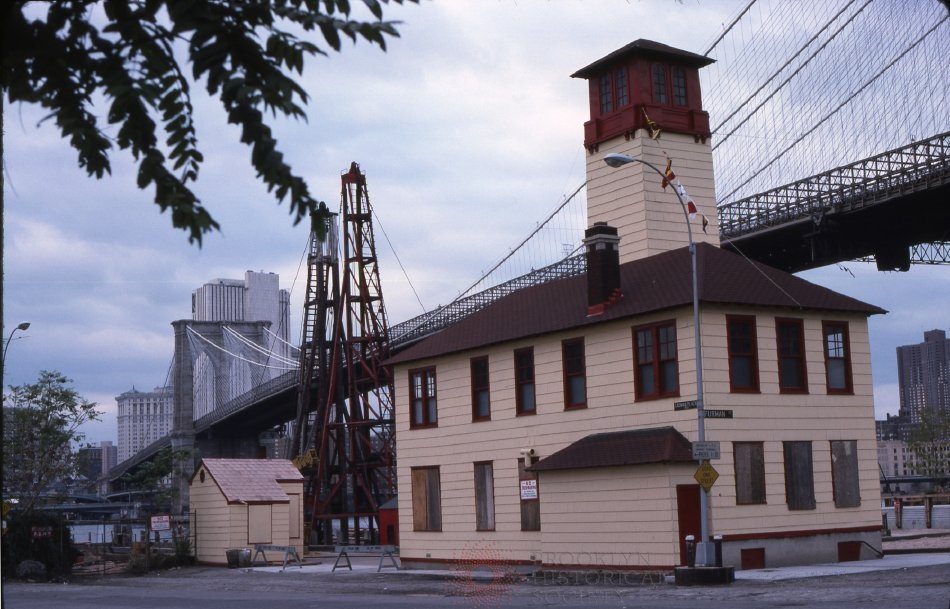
239, 557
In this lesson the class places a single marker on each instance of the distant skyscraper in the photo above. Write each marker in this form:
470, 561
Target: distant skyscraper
143, 418
924, 374
110, 458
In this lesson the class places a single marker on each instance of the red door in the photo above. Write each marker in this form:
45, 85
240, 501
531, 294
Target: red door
687, 513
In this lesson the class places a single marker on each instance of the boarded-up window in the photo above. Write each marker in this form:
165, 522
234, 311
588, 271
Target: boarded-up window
799, 476
484, 497
426, 501
750, 472
529, 491
294, 515
259, 523
844, 473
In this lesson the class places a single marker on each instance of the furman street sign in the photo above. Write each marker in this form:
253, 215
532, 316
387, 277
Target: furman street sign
703, 451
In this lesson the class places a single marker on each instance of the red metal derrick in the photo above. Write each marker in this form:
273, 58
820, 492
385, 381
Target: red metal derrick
345, 428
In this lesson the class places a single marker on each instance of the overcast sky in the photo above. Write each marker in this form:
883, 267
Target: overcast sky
469, 130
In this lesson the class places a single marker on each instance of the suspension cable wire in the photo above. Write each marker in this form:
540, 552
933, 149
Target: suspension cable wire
525, 240
729, 28
847, 100
235, 355
254, 346
782, 68
291, 345
393, 250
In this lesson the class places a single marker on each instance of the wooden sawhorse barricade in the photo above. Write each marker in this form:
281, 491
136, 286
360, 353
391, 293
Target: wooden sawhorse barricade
290, 552
384, 552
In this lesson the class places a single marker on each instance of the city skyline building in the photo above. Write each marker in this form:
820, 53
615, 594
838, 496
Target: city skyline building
143, 417
923, 372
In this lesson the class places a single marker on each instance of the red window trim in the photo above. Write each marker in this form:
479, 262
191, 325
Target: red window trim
425, 399
658, 394
801, 347
476, 389
567, 393
673, 70
848, 380
755, 354
519, 403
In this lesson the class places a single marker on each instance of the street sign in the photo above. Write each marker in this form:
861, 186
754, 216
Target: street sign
703, 451
717, 414
161, 522
687, 405
706, 475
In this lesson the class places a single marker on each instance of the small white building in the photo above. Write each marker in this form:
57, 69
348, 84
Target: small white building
236, 503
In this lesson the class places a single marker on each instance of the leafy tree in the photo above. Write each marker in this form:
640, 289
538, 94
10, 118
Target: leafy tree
929, 442
155, 476
71, 55
40, 424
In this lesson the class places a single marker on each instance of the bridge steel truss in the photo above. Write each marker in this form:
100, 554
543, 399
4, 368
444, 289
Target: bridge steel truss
918, 174
344, 432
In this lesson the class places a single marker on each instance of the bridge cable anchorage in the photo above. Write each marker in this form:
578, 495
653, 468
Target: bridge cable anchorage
795, 73
837, 108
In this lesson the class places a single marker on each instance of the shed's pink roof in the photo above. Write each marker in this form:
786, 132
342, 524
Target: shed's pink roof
252, 480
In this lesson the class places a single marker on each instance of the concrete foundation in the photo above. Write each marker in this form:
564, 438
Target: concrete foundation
793, 551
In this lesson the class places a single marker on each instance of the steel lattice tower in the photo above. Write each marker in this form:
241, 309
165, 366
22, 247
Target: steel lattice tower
344, 436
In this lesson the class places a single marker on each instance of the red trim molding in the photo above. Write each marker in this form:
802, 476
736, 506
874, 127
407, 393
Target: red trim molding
805, 533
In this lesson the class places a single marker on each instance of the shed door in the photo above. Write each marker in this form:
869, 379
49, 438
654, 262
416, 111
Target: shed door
259, 523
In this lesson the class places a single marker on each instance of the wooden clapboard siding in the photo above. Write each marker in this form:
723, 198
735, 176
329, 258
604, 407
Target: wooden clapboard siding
768, 417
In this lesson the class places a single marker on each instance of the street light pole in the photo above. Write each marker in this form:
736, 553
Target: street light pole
617, 160
22, 326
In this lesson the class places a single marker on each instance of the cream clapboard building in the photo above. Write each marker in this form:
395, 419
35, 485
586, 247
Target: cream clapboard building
546, 430
236, 503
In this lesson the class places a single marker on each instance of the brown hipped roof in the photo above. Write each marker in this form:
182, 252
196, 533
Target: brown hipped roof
650, 284
251, 480
630, 447
648, 48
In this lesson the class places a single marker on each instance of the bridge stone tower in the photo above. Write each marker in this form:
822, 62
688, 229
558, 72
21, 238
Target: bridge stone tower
635, 90
187, 351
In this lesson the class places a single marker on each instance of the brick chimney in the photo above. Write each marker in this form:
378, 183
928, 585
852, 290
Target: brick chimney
603, 267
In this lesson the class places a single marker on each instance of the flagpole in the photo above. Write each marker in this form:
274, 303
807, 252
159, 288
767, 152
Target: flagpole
703, 549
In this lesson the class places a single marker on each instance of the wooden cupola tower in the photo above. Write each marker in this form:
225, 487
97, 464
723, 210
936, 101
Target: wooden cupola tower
638, 89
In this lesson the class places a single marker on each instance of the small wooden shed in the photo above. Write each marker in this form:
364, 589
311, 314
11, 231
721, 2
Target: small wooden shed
236, 503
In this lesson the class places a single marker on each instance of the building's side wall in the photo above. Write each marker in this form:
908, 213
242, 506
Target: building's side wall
613, 517
768, 417
648, 218
211, 522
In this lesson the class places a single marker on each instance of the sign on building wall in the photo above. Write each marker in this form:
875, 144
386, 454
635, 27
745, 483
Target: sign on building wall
529, 489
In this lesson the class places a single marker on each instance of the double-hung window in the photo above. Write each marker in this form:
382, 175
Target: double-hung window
423, 405
481, 403
524, 381
575, 373
743, 354
792, 375
654, 348
837, 357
